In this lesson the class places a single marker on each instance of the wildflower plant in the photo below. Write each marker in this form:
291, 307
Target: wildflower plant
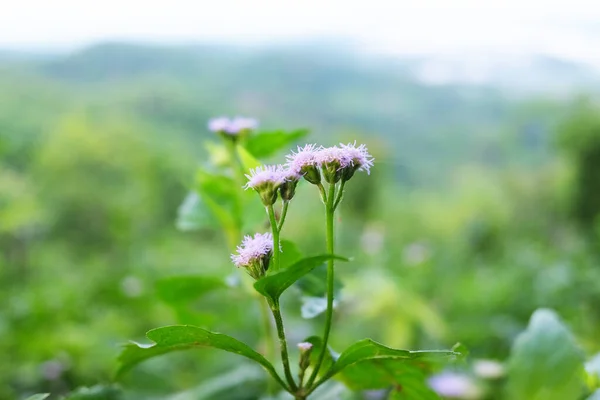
270, 190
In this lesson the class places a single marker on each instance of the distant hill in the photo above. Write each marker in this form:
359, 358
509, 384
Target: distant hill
340, 94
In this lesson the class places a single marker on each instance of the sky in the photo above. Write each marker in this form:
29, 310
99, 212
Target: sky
564, 28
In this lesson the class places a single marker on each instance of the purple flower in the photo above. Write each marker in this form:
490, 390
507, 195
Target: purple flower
305, 346
333, 155
266, 180
305, 157
334, 162
358, 156
233, 126
268, 174
342, 162
239, 124
220, 124
254, 254
304, 163
454, 385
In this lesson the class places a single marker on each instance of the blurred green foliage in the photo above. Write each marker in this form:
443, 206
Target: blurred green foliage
470, 221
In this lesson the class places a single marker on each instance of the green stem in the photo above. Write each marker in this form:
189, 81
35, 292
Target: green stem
236, 163
339, 195
323, 194
284, 210
275, 232
301, 377
283, 345
269, 342
330, 278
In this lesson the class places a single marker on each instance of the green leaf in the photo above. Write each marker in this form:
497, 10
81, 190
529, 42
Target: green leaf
407, 377
236, 383
315, 283
413, 386
219, 193
193, 214
247, 159
273, 286
39, 396
592, 368
371, 365
266, 144
462, 349
220, 187
368, 349
183, 337
545, 361
289, 253
98, 392
183, 289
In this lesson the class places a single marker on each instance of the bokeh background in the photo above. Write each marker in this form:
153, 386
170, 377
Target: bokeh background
483, 205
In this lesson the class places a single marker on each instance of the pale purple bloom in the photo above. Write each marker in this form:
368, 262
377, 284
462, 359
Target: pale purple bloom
454, 385
290, 175
239, 124
303, 158
268, 174
335, 155
359, 156
220, 124
305, 346
253, 249
232, 126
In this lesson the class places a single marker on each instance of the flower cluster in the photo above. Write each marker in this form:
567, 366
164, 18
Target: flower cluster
334, 163
232, 127
268, 180
254, 254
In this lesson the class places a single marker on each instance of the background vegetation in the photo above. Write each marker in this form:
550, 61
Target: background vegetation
482, 207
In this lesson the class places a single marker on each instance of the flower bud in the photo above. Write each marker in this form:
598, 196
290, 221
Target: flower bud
312, 174
288, 190
288, 187
305, 351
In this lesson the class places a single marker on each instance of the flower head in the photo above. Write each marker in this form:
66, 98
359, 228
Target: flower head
231, 128
239, 124
454, 385
333, 161
266, 180
359, 156
219, 124
305, 346
304, 163
254, 254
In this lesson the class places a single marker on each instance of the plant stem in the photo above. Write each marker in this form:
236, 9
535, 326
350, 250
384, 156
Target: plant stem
275, 232
236, 163
283, 345
269, 341
340, 195
330, 210
284, 210
323, 194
